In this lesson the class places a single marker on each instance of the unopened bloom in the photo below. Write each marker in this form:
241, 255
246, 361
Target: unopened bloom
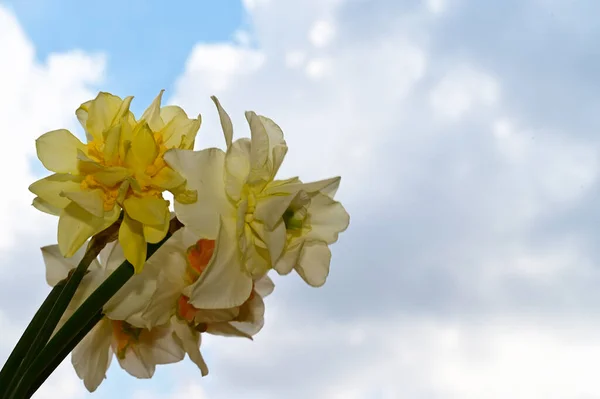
121, 167
121, 332
284, 224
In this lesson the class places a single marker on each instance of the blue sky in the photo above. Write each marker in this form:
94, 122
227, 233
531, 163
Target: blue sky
146, 43
465, 133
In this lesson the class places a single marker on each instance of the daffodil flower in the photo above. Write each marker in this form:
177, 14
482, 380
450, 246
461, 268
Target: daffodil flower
121, 167
206, 288
281, 224
232, 187
122, 331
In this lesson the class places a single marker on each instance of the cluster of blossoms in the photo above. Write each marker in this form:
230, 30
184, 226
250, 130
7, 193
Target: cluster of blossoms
210, 276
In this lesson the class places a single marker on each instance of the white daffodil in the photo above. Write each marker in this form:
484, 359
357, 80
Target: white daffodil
205, 289
138, 347
232, 187
281, 224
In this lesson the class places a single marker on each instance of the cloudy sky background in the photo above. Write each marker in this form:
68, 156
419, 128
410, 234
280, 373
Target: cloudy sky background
465, 133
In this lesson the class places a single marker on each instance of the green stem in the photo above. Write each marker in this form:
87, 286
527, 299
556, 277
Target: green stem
57, 311
20, 350
58, 360
55, 351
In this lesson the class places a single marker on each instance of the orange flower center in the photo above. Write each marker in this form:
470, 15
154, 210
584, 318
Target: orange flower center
198, 256
124, 335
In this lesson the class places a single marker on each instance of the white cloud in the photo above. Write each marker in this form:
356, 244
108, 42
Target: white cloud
294, 59
184, 389
221, 65
462, 89
36, 97
322, 33
318, 68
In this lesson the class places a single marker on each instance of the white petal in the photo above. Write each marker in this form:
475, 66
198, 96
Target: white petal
264, 286
226, 124
313, 264
224, 283
203, 171
190, 341
327, 217
91, 357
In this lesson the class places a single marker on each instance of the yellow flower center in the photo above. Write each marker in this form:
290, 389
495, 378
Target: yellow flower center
249, 217
124, 335
121, 185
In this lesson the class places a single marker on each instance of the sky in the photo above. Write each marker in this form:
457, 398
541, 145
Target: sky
465, 135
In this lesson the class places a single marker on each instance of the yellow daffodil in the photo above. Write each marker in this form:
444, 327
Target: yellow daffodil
283, 224
121, 167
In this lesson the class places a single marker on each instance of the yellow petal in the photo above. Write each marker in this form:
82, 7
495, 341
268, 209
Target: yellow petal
147, 210
143, 150
58, 151
203, 171
102, 112
86, 165
152, 114
111, 145
49, 189
226, 124
112, 175
82, 114
90, 200
224, 283
45, 207
167, 179
169, 112
131, 238
92, 356
76, 225
155, 233
181, 132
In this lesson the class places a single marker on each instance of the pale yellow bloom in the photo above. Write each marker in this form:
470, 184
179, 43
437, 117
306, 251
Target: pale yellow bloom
120, 167
281, 224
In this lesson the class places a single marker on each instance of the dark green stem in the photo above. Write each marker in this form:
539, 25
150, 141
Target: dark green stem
47, 328
20, 350
52, 366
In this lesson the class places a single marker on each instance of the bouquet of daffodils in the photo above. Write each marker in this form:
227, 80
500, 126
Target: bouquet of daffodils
132, 279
